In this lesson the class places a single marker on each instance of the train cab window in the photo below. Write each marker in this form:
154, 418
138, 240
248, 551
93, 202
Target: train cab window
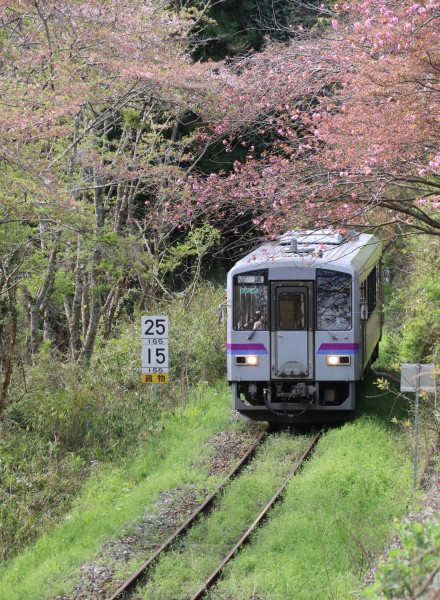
250, 301
333, 300
291, 310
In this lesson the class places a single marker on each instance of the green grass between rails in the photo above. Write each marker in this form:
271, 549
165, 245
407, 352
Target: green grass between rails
115, 496
180, 573
335, 516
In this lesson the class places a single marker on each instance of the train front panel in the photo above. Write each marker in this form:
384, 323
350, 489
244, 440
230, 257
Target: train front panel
293, 344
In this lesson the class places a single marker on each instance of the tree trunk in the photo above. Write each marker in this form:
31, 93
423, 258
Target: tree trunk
10, 345
74, 312
111, 305
95, 294
43, 293
49, 322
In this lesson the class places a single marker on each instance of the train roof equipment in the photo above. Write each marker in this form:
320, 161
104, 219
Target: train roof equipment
314, 249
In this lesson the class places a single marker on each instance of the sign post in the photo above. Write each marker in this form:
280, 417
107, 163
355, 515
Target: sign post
414, 378
154, 338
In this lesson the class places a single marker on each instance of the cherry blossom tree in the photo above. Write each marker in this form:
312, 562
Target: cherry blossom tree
340, 128
92, 96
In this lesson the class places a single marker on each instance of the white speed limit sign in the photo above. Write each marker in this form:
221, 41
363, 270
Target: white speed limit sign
154, 336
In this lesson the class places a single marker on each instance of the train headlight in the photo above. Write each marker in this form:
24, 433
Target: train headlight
335, 360
249, 361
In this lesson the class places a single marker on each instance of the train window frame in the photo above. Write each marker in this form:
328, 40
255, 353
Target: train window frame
341, 322
253, 302
303, 310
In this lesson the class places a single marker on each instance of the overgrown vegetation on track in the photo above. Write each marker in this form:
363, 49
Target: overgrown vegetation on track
180, 573
335, 517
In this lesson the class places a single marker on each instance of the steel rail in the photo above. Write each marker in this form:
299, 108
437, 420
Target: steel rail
140, 573
216, 574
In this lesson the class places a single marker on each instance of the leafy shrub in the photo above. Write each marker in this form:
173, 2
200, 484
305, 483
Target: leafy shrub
38, 483
197, 341
105, 407
413, 313
412, 569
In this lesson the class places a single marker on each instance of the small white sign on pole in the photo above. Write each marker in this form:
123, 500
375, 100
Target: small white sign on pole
416, 377
154, 356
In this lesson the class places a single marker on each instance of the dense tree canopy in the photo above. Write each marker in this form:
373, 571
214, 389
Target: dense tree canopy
340, 128
92, 95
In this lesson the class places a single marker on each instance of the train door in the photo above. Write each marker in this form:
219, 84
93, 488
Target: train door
292, 340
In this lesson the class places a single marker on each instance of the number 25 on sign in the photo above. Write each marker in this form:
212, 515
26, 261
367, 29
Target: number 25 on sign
154, 327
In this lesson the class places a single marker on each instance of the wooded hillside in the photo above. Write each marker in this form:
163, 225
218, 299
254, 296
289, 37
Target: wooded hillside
139, 136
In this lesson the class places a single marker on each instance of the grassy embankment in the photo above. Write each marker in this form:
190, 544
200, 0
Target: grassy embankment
337, 513
174, 456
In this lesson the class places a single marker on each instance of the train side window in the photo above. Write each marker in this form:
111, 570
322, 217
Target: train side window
372, 291
368, 293
333, 300
250, 301
291, 310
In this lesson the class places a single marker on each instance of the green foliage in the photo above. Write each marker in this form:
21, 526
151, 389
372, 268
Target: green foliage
411, 569
172, 456
412, 315
81, 410
39, 481
63, 418
131, 118
101, 410
197, 243
197, 341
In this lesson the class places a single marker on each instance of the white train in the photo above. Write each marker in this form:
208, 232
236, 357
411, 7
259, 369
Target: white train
304, 323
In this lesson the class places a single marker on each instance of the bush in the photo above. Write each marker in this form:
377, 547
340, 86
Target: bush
38, 483
412, 569
413, 313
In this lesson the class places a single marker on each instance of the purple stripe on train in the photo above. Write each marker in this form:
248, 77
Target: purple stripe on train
339, 348
246, 348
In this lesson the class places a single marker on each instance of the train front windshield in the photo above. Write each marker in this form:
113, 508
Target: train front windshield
250, 301
333, 302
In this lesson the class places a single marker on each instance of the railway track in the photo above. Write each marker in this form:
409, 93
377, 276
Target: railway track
132, 581
141, 575
209, 582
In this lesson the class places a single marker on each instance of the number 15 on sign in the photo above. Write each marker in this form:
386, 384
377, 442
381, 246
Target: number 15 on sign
155, 357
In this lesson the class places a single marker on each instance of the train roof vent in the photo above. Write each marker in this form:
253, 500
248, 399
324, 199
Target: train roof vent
309, 238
